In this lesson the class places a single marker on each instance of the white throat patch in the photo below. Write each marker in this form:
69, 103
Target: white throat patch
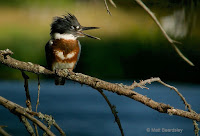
64, 36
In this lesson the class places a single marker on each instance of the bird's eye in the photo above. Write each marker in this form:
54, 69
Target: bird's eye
72, 27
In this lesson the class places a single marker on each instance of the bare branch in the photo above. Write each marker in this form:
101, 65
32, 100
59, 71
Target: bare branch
196, 128
112, 2
182, 113
28, 126
114, 112
149, 81
16, 109
6, 52
28, 104
106, 5
3, 132
38, 99
47, 118
142, 83
62, 133
36, 129
98, 84
24, 66
10, 105
170, 40
28, 97
181, 54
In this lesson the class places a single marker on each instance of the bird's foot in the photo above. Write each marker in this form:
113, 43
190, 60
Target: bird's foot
66, 70
59, 71
70, 69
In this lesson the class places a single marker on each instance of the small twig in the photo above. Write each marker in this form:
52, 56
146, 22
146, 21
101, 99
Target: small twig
28, 126
112, 2
141, 84
36, 130
38, 98
176, 90
49, 119
62, 133
106, 5
28, 97
3, 132
170, 40
181, 54
6, 52
114, 112
196, 128
28, 104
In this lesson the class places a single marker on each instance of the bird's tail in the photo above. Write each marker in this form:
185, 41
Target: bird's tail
59, 80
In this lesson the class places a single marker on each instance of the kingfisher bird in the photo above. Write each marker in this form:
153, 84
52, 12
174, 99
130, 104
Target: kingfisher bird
63, 49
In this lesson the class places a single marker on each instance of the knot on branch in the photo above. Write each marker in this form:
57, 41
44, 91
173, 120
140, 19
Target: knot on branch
163, 108
113, 108
6, 52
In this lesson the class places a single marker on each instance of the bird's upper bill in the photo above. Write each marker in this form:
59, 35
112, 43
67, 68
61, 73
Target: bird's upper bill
68, 24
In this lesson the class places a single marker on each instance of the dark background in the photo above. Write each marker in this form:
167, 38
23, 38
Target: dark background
132, 46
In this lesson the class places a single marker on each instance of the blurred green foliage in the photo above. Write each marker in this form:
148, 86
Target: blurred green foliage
19, 3
131, 48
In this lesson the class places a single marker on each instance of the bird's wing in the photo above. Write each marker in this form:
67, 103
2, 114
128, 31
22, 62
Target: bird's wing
78, 53
49, 54
79, 50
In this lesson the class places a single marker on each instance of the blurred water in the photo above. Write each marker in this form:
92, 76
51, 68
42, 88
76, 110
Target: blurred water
80, 110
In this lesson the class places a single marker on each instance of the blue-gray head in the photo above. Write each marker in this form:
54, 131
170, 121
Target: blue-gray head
68, 26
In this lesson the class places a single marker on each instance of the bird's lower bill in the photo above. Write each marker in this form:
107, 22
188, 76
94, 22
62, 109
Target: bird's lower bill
84, 34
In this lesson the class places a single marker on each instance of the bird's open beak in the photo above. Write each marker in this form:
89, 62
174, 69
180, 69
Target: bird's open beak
88, 28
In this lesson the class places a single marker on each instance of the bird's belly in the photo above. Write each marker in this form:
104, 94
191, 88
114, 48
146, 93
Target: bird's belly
63, 65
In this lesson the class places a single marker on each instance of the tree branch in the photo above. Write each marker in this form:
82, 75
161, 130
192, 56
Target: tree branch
114, 112
173, 43
38, 98
28, 97
106, 5
15, 109
21, 111
170, 40
28, 126
3, 132
98, 84
28, 104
